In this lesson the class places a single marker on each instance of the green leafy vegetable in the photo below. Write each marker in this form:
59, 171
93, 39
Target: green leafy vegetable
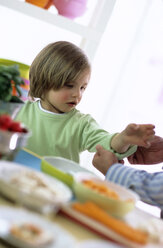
10, 75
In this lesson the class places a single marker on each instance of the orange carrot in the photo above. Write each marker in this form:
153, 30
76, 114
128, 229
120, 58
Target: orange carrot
92, 210
101, 188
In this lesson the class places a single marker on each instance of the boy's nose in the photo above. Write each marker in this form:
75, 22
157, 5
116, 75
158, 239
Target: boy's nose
77, 93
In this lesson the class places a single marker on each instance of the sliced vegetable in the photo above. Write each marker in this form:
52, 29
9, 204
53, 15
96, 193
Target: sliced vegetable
92, 210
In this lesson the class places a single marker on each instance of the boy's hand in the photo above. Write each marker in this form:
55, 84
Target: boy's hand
140, 135
133, 134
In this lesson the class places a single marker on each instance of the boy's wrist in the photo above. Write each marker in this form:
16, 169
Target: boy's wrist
119, 143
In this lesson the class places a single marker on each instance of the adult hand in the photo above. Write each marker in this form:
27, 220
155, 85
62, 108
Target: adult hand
103, 159
150, 155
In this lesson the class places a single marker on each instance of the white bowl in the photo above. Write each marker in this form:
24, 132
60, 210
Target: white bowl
38, 191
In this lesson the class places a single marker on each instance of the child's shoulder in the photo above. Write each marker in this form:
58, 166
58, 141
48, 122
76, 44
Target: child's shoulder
29, 103
27, 107
82, 116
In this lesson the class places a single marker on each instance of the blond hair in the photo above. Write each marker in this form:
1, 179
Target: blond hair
56, 64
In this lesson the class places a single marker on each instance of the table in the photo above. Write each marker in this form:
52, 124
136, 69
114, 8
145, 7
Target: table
77, 231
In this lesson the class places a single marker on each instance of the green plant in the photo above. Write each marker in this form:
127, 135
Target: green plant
9, 78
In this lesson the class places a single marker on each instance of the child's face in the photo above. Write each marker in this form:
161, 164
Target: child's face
68, 97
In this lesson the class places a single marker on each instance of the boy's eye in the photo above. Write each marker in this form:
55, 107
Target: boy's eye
69, 85
83, 88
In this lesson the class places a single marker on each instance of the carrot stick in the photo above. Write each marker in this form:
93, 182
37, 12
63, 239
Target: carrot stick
92, 210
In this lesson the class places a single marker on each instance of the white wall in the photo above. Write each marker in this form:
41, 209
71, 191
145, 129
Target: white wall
127, 77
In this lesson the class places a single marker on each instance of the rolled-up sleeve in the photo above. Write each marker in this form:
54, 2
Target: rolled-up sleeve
149, 186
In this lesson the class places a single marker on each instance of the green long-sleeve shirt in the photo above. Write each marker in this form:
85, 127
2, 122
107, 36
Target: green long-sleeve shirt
64, 135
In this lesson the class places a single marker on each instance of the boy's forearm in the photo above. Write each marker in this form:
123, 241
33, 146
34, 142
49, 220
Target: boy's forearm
119, 144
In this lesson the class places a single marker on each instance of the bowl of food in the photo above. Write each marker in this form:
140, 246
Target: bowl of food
13, 136
113, 198
32, 189
26, 229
